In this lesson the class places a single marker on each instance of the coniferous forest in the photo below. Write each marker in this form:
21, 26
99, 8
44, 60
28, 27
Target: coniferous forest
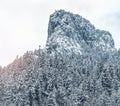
79, 66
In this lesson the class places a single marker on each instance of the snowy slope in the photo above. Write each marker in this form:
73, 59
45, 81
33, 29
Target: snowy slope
69, 32
79, 67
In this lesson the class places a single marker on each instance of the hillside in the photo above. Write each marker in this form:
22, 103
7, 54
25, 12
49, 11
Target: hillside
79, 66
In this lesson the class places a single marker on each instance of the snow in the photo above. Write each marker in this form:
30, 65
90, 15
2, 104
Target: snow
78, 67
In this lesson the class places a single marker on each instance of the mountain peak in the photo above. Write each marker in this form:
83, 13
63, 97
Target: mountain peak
72, 32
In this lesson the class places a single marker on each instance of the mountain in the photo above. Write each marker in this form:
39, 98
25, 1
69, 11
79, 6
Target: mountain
79, 66
72, 33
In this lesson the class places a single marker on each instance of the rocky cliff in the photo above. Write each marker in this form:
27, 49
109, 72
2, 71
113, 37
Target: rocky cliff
71, 33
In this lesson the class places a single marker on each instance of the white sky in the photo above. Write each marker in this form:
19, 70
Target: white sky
24, 23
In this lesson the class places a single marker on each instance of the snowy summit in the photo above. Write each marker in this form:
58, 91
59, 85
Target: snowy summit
72, 33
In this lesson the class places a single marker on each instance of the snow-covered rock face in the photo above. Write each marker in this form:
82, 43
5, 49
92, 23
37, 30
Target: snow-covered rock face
71, 33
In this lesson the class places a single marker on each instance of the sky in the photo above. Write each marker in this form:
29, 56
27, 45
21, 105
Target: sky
24, 23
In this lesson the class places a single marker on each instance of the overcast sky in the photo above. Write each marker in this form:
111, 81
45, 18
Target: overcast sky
24, 23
